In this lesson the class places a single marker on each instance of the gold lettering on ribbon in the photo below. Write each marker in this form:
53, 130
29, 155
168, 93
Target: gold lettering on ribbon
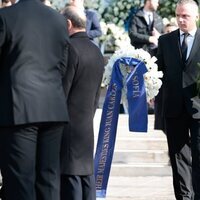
136, 88
99, 181
106, 137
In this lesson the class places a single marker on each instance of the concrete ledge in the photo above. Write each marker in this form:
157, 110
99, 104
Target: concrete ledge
138, 156
140, 169
140, 143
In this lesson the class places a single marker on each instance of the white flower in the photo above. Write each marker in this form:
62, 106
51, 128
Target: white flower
114, 34
116, 13
121, 7
115, 20
116, 9
119, 3
152, 78
104, 27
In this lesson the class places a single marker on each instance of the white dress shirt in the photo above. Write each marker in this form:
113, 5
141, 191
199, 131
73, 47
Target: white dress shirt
148, 15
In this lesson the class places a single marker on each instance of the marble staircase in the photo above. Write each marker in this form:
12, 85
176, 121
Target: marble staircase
138, 154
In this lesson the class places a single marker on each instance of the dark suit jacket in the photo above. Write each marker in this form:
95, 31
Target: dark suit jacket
139, 31
93, 27
179, 81
82, 86
33, 54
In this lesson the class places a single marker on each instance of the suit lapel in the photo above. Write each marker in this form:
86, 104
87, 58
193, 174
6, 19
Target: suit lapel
176, 47
195, 46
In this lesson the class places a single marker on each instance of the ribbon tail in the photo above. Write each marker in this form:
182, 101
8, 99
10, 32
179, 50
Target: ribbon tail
106, 140
107, 133
137, 102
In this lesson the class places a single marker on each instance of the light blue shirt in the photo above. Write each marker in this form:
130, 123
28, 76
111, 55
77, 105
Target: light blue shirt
190, 40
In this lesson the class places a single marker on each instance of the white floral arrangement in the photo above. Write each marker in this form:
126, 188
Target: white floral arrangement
152, 77
97, 5
118, 11
113, 36
58, 4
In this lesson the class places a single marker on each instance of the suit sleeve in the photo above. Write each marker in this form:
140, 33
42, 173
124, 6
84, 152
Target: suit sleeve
98, 93
160, 61
2, 33
71, 70
64, 61
135, 36
97, 97
95, 29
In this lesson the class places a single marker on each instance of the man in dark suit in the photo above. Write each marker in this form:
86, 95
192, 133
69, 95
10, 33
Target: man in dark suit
146, 26
82, 87
178, 57
33, 57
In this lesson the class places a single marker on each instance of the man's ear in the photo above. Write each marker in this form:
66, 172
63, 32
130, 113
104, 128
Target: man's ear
12, 1
69, 24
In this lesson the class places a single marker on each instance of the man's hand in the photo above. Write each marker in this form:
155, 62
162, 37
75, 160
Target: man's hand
155, 33
154, 40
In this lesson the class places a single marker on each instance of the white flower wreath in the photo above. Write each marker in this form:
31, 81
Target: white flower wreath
152, 77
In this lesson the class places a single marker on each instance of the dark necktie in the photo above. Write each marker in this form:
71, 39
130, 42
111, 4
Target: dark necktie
150, 22
184, 46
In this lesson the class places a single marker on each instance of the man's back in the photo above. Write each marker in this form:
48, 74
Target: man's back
82, 85
33, 39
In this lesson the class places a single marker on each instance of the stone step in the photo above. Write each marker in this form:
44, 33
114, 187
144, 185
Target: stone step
123, 129
139, 156
140, 169
139, 143
140, 188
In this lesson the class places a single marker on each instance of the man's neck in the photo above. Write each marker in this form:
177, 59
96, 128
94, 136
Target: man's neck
71, 32
14, 1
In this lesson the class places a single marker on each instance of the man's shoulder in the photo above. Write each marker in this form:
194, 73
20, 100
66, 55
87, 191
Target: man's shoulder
170, 35
157, 17
81, 41
6, 10
91, 13
78, 41
156, 14
27, 7
139, 13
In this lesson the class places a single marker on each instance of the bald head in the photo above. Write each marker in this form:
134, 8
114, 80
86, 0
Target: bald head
76, 19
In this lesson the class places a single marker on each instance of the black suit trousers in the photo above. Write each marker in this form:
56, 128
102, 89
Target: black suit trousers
183, 135
78, 187
30, 165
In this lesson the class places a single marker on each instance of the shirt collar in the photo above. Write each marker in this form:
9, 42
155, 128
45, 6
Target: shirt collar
192, 33
148, 12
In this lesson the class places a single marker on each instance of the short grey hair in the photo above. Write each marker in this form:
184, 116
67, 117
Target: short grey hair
191, 2
75, 15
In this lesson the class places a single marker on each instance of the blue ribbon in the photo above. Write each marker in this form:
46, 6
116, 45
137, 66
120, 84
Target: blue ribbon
137, 107
136, 96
